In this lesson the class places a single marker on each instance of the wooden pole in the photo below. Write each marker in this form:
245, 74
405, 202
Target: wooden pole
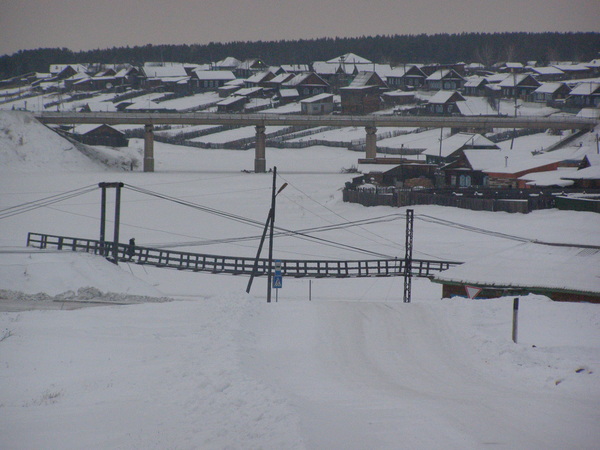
515, 319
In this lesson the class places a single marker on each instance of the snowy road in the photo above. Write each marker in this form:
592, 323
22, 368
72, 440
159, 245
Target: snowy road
382, 375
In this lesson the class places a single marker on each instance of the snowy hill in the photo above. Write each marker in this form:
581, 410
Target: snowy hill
28, 146
188, 360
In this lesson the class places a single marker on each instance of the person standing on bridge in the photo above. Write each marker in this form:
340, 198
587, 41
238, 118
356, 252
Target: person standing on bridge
131, 248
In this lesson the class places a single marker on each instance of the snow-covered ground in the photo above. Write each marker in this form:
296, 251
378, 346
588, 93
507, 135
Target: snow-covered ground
174, 359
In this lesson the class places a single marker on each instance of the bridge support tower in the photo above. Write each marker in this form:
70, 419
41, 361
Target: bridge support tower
149, 148
371, 143
260, 162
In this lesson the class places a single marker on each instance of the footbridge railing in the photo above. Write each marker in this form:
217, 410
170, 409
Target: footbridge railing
236, 265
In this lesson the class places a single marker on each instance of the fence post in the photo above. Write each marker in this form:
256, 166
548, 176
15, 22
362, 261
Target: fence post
515, 319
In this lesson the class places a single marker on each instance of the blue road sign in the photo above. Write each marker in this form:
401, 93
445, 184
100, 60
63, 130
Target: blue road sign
277, 281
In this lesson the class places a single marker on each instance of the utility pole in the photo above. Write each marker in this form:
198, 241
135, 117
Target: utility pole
408, 255
270, 268
115, 245
269, 225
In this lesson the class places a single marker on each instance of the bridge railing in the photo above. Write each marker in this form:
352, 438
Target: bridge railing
235, 265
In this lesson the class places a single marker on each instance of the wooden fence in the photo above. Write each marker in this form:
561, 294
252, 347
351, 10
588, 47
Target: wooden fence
508, 200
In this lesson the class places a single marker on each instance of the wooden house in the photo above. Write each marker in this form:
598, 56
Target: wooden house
585, 95
363, 96
210, 80
551, 91
100, 135
545, 74
232, 104
475, 86
519, 85
230, 63
259, 79
444, 102
413, 78
446, 79
588, 174
249, 67
307, 84
450, 147
317, 105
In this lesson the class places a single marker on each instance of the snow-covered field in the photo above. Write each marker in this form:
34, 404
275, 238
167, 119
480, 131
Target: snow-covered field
170, 359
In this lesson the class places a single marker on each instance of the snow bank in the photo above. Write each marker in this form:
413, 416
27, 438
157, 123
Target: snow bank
28, 146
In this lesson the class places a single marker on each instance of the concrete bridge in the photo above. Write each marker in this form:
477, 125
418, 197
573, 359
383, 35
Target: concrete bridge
260, 121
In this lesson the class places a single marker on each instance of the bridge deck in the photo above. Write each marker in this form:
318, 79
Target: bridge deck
235, 265
480, 122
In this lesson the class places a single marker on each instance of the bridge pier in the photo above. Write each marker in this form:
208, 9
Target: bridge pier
371, 143
260, 162
148, 148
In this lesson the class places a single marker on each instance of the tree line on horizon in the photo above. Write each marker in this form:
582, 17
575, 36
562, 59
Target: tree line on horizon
484, 48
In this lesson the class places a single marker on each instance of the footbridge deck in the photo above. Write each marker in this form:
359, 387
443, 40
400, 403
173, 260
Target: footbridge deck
236, 265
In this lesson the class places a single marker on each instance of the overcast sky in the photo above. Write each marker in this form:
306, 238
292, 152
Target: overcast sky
90, 24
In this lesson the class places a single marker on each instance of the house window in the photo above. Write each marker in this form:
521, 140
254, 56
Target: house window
453, 180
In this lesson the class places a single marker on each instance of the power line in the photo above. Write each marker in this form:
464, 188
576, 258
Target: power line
43, 202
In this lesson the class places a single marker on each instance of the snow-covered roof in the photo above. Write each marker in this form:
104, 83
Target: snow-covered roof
440, 74
457, 141
548, 88
589, 173
248, 91
441, 97
572, 67
530, 265
232, 99
547, 70
282, 78
258, 77
230, 61
214, 75
362, 79
513, 80
475, 82
549, 178
349, 58
586, 88
288, 93
318, 98
165, 71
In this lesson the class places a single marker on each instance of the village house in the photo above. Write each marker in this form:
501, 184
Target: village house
575, 71
585, 94
100, 135
363, 96
169, 77
519, 86
230, 63
552, 91
444, 102
547, 73
210, 80
249, 67
307, 84
588, 174
259, 79
234, 103
446, 79
450, 147
317, 105
413, 78
397, 98
475, 86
